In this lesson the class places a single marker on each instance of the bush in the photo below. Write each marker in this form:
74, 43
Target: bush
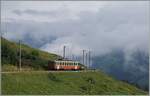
9, 67
53, 77
9, 56
90, 80
35, 53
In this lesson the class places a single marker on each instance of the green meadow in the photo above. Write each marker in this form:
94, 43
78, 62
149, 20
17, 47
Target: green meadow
65, 83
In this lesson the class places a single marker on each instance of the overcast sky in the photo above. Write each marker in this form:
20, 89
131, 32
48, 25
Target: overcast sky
96, 25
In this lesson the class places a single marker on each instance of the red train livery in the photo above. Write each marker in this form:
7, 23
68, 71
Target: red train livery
64, 65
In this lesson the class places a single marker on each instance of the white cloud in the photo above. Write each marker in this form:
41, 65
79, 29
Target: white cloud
99, 26
62, 10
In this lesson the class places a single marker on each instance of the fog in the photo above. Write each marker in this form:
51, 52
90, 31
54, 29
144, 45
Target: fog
97, 26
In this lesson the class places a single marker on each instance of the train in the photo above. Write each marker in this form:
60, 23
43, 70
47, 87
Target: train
64, 65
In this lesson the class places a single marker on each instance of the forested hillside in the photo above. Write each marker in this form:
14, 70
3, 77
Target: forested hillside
31, 57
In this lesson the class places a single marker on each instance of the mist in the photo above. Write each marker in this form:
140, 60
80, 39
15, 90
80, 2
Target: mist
101, 28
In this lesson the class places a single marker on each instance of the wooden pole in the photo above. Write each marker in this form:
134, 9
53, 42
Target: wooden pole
89, 59
64, 52
83, 56
86, 57
19, 55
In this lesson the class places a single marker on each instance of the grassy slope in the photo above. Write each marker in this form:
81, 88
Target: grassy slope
64, 83
30, 56
56, 83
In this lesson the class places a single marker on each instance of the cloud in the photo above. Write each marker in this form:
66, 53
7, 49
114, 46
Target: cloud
100, 29
34, 12
110, 28
46, 11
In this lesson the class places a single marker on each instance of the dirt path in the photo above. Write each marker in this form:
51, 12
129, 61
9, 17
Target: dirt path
10, 72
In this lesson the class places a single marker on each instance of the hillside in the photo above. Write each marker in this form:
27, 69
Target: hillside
134, 70
59, 83
55, 83
31, 57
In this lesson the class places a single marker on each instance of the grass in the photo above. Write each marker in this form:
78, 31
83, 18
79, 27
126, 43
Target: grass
31, 57
12, 68
62, 83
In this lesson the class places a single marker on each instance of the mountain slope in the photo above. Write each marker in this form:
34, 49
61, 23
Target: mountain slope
134, 69
64, 83
42, 82
31, 57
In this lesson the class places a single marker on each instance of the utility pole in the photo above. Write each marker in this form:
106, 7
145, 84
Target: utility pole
89, 59
73, 58
19, 55
83, 56
64, 52
86, 57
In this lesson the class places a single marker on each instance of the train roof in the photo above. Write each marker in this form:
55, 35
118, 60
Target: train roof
65, 61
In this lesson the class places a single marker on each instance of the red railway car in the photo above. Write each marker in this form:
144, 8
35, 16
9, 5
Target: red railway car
64, 65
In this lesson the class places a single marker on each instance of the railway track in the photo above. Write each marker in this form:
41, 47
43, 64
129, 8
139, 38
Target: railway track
10, 72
